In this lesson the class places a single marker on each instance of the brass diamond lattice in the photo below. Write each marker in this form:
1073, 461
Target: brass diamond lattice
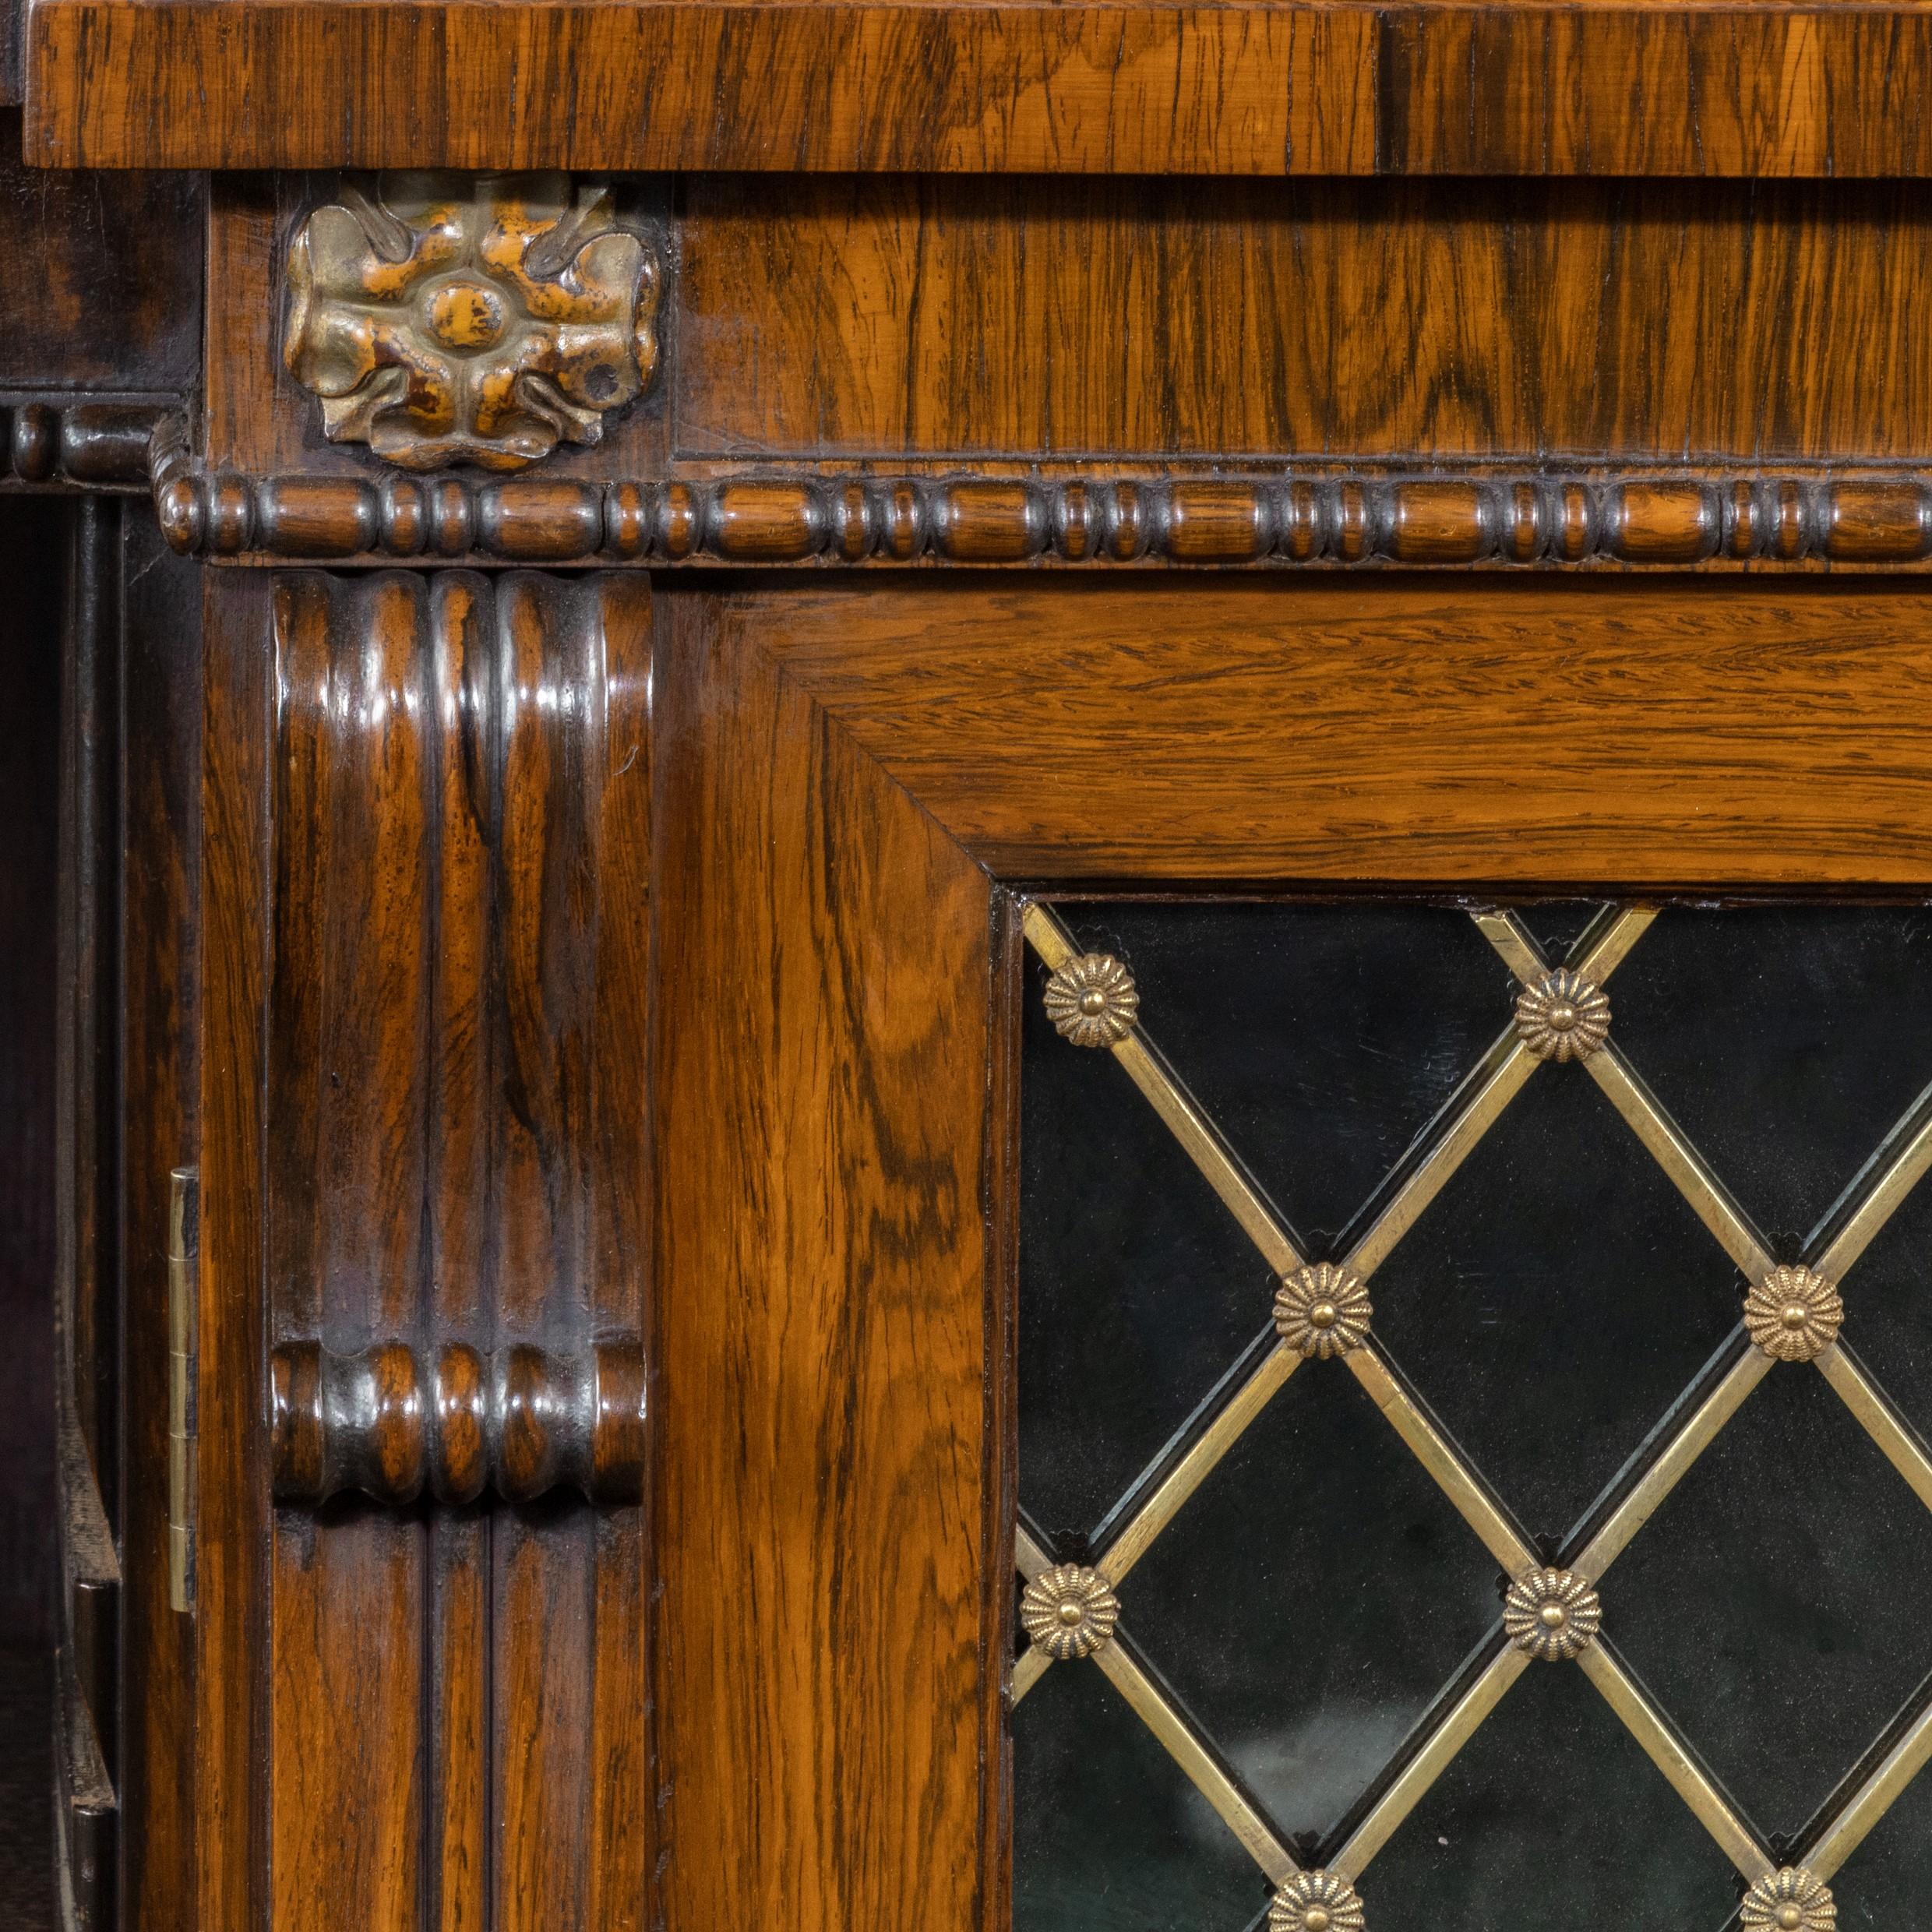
1553, 1614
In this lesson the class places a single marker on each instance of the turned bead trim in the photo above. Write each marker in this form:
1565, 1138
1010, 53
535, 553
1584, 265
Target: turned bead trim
878, 519
515, 1424
84, 445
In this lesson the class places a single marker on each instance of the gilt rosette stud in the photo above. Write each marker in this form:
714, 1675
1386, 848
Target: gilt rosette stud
1315, 1901
1793, 1900
1092, 1000
1070, 1612
1794, 1314
1553, 1614
1562, 1018
1323, 1310
458, 319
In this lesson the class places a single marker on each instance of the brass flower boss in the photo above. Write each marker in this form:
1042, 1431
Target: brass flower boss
1552, 1614
450, 318
1792, 1314
1315, 1901
1092, 1000
1069, 1612
1790, 1900
1323, 1311
1562, 1016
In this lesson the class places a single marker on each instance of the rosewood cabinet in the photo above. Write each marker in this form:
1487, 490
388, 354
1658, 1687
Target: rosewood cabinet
991, 938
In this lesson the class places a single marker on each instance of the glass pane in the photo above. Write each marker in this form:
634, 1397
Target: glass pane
1313, 1597
1104, 1822
1894, 1864
1284, 1500
1776, 1602
1136, 1288
1552, 1818
1321, 1045
1555, 1299
1888, 1308
1785, 1040
1557, 925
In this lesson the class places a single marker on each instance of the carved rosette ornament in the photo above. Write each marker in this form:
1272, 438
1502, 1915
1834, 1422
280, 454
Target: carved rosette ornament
1323, 1310
1092, 1000
458, 318
1315, 1901
1562, 1018
1070, 1612
1794, 1314
1793, 1900
1553, 1614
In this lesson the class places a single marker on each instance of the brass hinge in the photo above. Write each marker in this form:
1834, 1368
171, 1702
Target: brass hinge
184, 1334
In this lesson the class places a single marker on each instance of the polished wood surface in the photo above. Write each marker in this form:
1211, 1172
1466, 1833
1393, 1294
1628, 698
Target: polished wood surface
450, 877
230, 1680
846, 758
159, 991
1006, 371
1747, 519
1414, 321
1738, 87
829, 1542
516, 1424
424, 867
107, 279
1428, 731
454, 1134
970, 323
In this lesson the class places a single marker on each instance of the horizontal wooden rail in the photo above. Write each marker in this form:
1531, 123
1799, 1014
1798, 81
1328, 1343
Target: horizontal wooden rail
1004, 519
396, 1424
1623, 87
92, 445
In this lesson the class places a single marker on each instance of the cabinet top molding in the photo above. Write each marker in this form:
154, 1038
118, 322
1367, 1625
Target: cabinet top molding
1738, 88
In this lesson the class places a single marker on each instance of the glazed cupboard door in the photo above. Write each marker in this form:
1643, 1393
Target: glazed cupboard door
1436, 1485
1311, 1204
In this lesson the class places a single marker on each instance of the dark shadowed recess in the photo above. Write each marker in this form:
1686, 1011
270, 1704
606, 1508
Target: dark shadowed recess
33, 531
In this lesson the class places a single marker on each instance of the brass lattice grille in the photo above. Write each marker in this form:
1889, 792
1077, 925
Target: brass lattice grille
1072, 1614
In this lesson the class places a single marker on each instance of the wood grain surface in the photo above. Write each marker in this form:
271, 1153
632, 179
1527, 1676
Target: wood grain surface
232, 1606
427, 935
827, 1662
978, 328
104, 286
1695, 517
1074, 318
838, 760
396, 1425
541, 1032
159, 836
432, 1081
456, 1157
1421, 730
1741, 87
